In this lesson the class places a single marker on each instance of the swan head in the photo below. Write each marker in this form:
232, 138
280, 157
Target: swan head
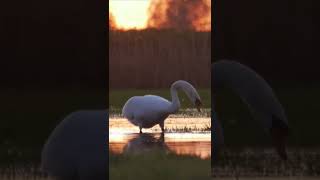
190, 91
198, 104
279, 133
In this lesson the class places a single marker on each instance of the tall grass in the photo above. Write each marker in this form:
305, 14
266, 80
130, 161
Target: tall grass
157, 58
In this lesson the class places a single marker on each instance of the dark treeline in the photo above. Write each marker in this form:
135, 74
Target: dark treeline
279, 39
53, 44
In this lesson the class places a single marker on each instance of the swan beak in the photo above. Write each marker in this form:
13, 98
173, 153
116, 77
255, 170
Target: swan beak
198, 104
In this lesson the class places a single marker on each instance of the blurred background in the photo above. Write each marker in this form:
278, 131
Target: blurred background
53, 62
279, 40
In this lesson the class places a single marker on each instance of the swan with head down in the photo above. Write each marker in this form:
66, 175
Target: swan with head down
258, 95
150, 110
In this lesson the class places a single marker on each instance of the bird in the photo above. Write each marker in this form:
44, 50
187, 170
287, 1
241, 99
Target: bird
149, 110
77, 147
259, 97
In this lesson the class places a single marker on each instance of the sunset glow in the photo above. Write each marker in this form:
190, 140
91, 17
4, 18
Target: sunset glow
129, 14
160, 14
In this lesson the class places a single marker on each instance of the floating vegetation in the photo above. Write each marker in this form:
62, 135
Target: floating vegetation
188, 129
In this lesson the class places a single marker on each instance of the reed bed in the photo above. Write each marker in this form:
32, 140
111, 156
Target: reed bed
156, 58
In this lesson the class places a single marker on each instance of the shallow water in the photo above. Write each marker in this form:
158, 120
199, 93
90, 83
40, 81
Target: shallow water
183, 136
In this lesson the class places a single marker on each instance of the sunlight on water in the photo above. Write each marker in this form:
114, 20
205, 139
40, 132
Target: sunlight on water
184, 136
121, 125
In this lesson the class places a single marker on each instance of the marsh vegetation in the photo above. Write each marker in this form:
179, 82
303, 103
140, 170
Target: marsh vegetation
156, 58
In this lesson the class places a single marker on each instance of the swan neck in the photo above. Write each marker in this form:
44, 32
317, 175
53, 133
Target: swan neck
175, 103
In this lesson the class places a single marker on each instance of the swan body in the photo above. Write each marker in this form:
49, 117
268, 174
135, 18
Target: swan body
257, 94
146, 111
149, 110
77, 147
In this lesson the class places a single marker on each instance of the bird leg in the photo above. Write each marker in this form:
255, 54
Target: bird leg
161, 124
140, 129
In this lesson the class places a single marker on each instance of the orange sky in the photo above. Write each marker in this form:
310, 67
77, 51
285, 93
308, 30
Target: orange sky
130, 14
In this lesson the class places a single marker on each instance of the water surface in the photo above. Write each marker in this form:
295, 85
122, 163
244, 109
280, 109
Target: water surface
183, 136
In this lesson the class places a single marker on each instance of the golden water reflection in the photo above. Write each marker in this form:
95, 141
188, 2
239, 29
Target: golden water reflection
123, 137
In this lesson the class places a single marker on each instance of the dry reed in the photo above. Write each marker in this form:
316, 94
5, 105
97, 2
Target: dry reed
156, 58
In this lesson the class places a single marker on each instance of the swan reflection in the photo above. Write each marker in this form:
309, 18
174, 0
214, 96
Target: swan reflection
145, 142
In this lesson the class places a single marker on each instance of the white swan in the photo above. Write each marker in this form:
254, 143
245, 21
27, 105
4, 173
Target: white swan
149, 110
257, 94
77, 147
